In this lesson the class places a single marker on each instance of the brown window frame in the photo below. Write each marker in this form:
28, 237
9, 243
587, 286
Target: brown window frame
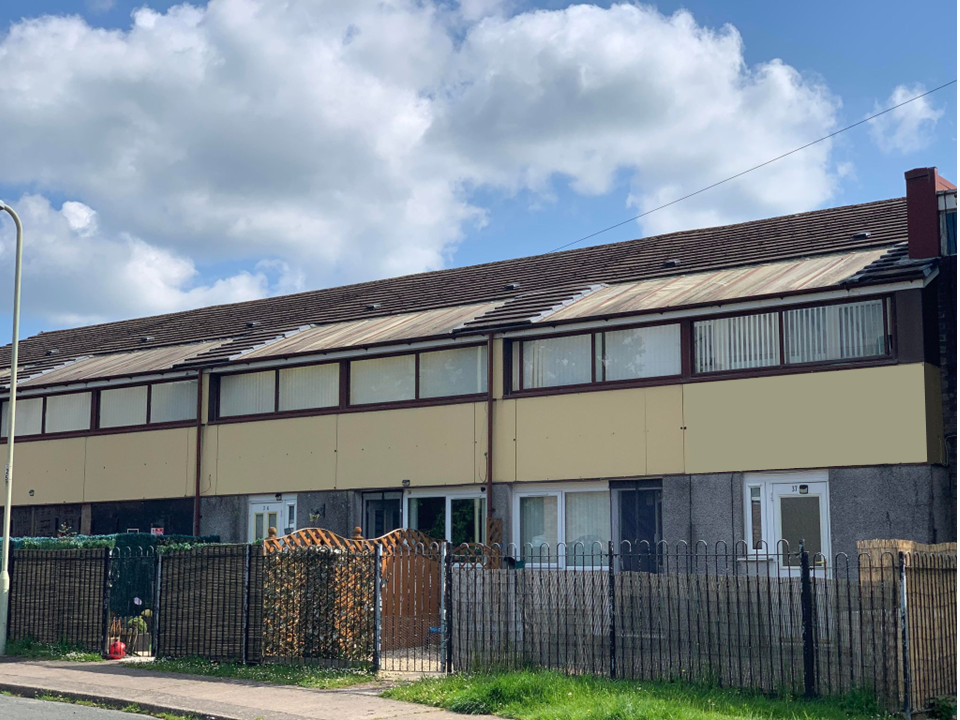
95, 428
687, 352
344, 405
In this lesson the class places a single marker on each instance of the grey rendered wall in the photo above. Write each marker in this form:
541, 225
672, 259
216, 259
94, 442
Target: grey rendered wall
906, 502
703, 507
225, 516
337, 510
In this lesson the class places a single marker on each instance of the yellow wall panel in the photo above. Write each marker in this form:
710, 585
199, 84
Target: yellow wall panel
427, 445
272, 456
53, 469
137, 465
866, 416
583, 435
505, 440
664, 420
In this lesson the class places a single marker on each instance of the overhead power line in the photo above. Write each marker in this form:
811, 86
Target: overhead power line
757, 167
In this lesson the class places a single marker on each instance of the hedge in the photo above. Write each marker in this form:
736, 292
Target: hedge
117, 540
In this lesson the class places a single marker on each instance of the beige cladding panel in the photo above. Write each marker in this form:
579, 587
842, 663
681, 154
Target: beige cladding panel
136, 465
591, 435
505, 440
53, 469
664, 421
426, 445
867, 416
271, 456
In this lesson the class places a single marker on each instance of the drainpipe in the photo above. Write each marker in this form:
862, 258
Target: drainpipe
490, 426
199, 449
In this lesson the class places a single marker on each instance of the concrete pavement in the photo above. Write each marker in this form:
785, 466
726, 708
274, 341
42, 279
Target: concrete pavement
113, 683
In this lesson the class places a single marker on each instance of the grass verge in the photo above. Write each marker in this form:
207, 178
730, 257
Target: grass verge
544, 695
309, 676
29, 648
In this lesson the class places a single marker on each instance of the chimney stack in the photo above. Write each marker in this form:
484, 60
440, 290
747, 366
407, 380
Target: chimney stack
923, 220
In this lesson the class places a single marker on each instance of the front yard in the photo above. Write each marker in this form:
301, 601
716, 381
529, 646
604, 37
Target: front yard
533, 695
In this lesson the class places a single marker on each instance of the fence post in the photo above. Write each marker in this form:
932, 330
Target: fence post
377, 601
156, 604
246, 604
105, 626
905, 638
447, 608
611, 586
806, 607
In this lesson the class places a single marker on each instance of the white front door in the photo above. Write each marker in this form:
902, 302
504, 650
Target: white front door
268, 512
785, 509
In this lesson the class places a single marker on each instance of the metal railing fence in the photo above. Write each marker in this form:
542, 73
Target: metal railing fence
778, 621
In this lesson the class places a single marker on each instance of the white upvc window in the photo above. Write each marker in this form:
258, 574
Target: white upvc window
454, 516
563, 525
783, 509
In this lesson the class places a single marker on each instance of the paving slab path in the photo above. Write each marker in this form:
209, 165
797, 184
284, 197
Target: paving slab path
221, 699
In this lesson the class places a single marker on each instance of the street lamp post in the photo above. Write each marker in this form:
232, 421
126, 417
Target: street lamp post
8, 477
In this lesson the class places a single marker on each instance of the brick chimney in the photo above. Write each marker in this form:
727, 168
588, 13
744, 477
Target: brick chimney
923, 221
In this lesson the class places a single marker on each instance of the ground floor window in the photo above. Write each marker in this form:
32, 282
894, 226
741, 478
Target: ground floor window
563, 525
271, 511
456, 518
784, 509
382, 513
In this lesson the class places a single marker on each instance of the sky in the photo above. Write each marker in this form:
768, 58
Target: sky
166, 156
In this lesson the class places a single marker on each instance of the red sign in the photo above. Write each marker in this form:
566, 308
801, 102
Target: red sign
156, 531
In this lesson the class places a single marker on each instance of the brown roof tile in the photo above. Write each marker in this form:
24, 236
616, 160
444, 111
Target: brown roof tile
544, 280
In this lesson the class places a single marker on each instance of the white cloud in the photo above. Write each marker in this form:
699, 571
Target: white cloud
342, 141
74, 274
908, 128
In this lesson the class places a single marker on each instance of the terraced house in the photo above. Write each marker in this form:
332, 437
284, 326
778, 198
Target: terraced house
786, 378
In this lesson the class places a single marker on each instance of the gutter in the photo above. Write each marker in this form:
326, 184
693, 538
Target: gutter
199, 450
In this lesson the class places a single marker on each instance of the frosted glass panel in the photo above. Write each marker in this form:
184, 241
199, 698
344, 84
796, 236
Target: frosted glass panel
557, 361
123, 406
67, 413
538, 525
453, 372
29, 417
386, 379
303, 388
737, 343
639, 353
247, 394
834, 332
587, 526
173, 401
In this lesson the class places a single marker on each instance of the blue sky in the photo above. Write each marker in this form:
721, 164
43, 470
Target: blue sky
212, 156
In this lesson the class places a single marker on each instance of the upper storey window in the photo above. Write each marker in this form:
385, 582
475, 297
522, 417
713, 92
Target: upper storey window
737, 343
835, 332
616, 355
